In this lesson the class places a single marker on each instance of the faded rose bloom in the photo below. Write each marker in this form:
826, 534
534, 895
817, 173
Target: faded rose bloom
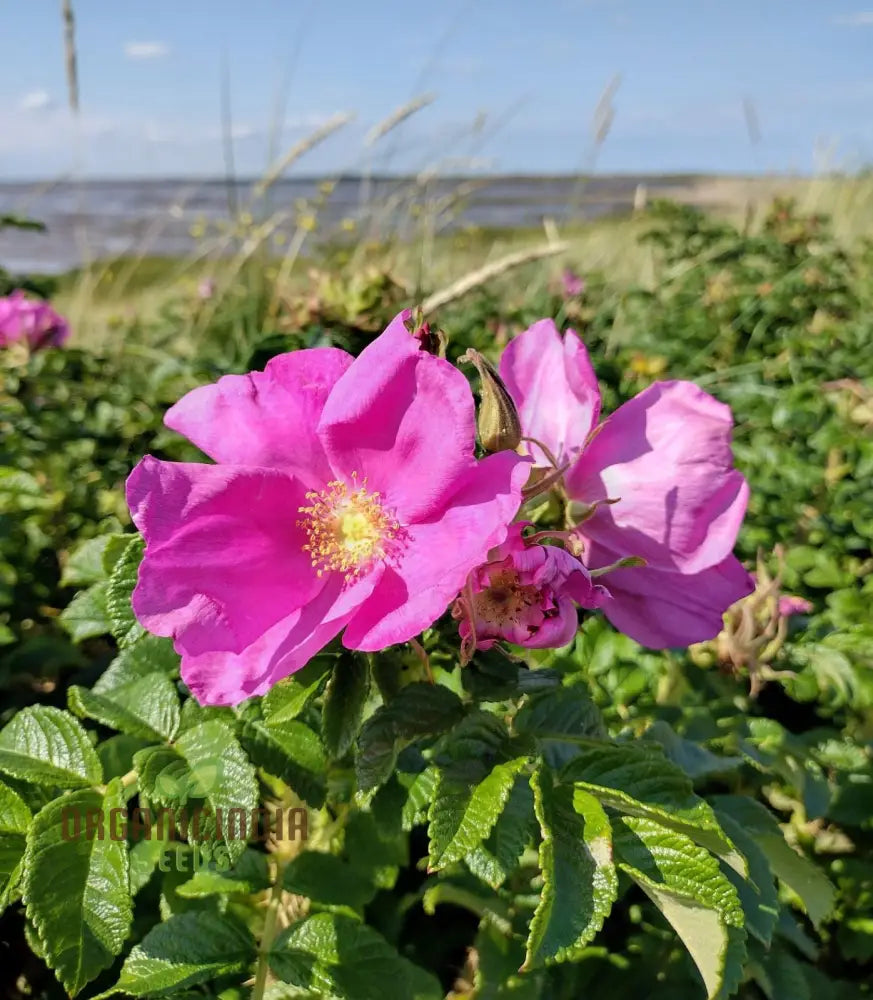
526, 594
654, 480
32, 321
346, 498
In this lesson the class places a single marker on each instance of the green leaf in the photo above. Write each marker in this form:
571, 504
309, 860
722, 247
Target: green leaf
145, 856
14, 822
781, 976
148, 707
343, 707
758, 895
692, 758
580, 883
87, 615
419, 792
85, 564
462, 814
47, 746
558, 718
810, 885
497, 857
417, 710
248, 876
152, 654
686, 884
187, 949
205, 765
287, 699
328, 880
292, 752
77, 890
122, 580
640, 781
337, 955
116, 754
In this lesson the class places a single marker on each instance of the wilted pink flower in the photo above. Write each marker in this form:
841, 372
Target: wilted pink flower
346, 497
790, 605
525, 594
571, 284
655, 480
206, 289
30, 320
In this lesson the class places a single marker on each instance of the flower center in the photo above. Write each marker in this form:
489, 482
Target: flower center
504, 600
347, 528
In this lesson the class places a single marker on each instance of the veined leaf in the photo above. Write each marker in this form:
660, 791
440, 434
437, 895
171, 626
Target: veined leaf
147, 708
85, 563
417, 710
122, 580
248, 876
686, 884
292, 752
152, 654
558, 718
87, 615
810, 885
287, 699
76, 888
187, 949
344, 700
205, 765
14, 822
640, 781
336, 955
462, 814
757, 894
47, 746
419, 793
328, 880
580, 883
497, 856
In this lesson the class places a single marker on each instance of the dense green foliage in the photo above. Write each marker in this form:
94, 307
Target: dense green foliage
603, 818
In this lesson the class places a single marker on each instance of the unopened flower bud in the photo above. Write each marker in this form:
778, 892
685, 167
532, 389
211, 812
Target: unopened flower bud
498, 422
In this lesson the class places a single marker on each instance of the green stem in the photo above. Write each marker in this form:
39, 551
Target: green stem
268, 936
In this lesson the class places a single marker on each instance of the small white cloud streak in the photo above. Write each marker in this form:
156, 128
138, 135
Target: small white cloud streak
146, 50
860, 19
36, 100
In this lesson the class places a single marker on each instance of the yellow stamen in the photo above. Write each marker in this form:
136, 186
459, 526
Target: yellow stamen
347, 528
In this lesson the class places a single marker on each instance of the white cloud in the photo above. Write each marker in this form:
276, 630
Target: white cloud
861, 18
146, 50
36, 100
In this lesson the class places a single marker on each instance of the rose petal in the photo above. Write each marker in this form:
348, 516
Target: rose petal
224, 558
266, 418
403, 419
665, 609
554, 388
222, 677
439, 554
667, 455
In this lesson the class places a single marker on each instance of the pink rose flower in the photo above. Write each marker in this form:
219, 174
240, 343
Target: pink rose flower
663, 460
31, 320
525, 594
345, 498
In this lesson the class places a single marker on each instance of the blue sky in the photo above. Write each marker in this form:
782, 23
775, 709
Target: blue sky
515, 84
